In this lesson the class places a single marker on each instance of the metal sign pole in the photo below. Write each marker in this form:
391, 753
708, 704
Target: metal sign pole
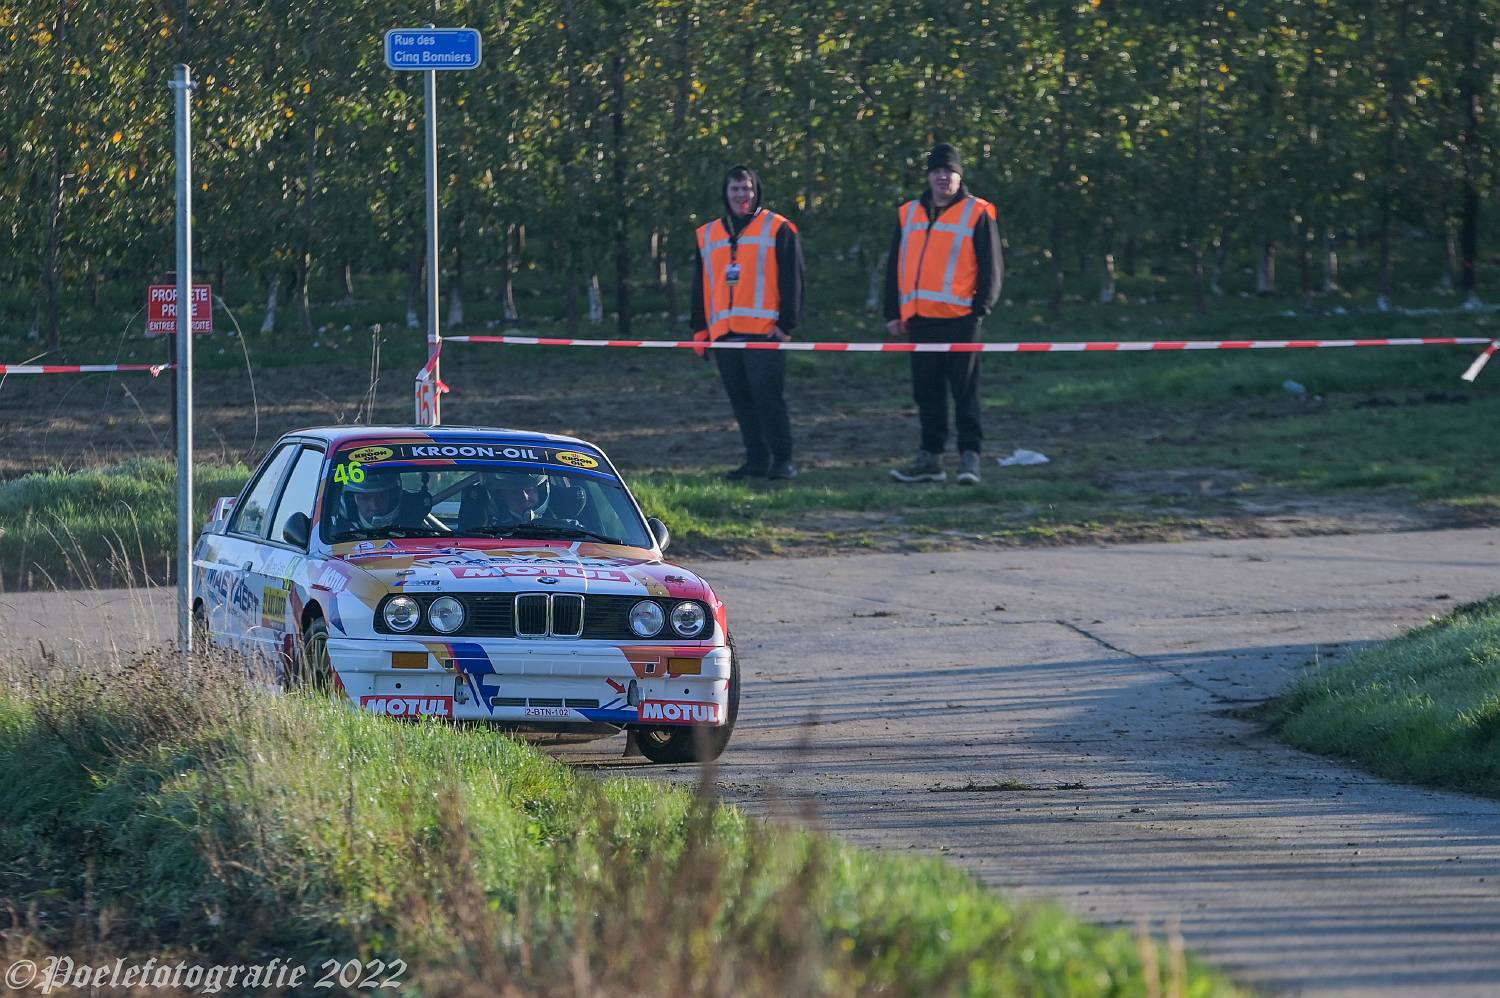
434, 338
182, 84
428, 50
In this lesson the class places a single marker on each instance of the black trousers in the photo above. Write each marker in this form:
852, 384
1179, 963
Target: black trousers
935, 376
754, 381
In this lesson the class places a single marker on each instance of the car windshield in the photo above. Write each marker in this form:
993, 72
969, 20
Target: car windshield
443, 488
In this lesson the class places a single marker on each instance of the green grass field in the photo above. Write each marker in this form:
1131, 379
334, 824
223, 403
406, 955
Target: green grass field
147, 814
1142, 446
1424, 708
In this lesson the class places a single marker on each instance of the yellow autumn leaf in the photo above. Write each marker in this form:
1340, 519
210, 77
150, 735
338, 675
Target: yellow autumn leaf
307, 88
164, 32
1223, 67
117, 137
1165, 133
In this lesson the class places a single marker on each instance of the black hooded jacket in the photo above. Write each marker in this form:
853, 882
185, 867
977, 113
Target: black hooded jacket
987, 259
789, 264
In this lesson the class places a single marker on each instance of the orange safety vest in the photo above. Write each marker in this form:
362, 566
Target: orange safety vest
753, 302
938, 272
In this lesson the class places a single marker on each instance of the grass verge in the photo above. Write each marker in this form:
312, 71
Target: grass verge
145, 815
108, 526
1424, 708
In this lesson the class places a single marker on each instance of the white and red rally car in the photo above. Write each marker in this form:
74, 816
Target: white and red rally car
474, 575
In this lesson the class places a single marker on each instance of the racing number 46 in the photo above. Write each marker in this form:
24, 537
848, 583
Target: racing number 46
351, 471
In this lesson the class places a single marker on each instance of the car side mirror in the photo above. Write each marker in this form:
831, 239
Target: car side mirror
660, 532
298, 530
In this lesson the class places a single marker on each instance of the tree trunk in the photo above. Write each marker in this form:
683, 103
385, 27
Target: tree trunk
1330, 263
1265, 267
1394, 78
309, 180
1469, 150
515, 242
1216, 275
666, 278
348, 284
221, 278
875, 290
414, 267
1130, 255
1200, 295
1059, 179
571, 251
456, 279
596, 301
622, 193
1107, 280
1450, 255
273, 295
51, 278
1304, 263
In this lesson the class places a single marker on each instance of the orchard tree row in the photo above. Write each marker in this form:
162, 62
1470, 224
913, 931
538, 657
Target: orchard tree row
593, 139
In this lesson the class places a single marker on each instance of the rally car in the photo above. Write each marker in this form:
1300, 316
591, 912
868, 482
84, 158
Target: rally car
469, 574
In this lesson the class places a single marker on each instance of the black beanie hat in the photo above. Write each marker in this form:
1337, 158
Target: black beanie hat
944, 155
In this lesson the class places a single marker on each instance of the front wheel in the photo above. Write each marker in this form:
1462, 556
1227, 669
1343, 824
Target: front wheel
673, 744
311, 669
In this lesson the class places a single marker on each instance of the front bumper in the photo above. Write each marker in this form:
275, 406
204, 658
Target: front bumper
536, 683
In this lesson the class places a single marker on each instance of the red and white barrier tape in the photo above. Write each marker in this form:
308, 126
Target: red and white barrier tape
155, 369
1060, 347
1481, 360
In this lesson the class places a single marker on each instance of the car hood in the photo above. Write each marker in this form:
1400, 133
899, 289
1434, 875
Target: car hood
437, 566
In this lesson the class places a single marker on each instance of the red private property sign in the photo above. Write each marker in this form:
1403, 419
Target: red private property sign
161, 309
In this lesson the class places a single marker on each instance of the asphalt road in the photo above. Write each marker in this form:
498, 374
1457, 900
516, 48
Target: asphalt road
1065, 723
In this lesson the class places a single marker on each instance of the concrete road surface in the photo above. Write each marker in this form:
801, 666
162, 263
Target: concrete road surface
1064, 723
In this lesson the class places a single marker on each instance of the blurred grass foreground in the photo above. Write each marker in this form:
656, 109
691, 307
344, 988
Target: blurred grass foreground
155, 808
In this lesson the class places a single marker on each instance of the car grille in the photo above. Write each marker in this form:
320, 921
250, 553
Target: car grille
531, 615
507, 615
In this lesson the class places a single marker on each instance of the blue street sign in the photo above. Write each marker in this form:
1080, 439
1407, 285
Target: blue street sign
432, 48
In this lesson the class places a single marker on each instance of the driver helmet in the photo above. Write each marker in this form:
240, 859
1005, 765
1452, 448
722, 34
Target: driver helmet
519, 495
374, 502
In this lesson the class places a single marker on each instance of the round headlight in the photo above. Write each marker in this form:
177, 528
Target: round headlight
688, 619
646, 618
446, 614
402, 613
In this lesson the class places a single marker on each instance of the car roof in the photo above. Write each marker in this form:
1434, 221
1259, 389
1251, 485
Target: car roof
335, 435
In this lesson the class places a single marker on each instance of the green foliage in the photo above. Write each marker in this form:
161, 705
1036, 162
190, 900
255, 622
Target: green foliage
220, 822
1424, 708
601, 129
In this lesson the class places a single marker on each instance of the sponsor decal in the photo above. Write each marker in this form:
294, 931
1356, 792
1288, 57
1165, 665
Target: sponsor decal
413, 583
369, 455
332, 580
273, 608
242, 599
364, 546
574, 459
216, 581
547, 712
538, 572
408, 706
477, 450
679, 712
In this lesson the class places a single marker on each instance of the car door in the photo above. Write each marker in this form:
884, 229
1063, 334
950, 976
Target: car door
278, 557
229, 587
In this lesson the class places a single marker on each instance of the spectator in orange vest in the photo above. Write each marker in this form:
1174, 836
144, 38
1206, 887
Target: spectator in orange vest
747, 287
942, 278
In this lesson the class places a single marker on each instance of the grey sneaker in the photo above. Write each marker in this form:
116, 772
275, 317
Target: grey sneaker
968, 468
927, 467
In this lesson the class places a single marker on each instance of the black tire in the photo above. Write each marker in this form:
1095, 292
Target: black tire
312, 671
675, 745
202, 639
